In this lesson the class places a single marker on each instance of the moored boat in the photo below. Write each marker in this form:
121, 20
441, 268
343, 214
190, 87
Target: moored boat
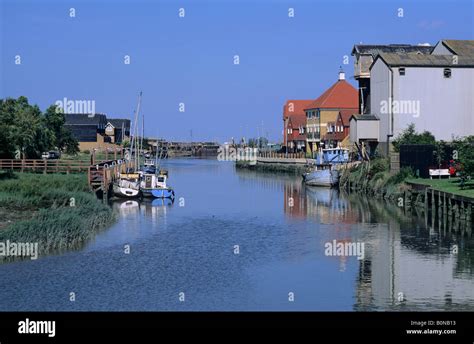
322, 176
127, 186
325, 171
155, 185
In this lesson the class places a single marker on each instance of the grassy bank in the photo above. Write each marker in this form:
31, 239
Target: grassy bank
447, 185
374, 179
56, 211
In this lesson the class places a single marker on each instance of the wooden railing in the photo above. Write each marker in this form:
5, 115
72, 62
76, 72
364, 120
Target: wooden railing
44, 165
299, 155
100, 175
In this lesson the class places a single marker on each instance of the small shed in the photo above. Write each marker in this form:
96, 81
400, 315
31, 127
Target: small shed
364, 128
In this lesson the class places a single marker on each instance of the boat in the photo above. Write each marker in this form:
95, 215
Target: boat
127, 186
333, 156
155, 185
322, 175
149, 166
325, 171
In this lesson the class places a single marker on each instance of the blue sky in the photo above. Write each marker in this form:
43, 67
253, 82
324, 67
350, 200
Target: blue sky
190, 60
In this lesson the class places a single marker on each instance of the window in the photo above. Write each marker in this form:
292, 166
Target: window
447, 72
401, 71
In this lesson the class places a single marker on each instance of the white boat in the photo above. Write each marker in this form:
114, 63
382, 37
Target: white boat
128, 186
322, 175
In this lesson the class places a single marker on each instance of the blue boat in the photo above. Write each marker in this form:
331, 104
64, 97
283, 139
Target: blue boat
333, 156
325, 172
155, 185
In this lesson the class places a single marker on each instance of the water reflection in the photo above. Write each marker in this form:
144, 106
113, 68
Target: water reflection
151, 208
410, 262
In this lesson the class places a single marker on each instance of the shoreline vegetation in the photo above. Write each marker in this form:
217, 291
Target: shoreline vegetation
57, 211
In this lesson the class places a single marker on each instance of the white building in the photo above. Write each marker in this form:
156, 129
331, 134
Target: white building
435, 92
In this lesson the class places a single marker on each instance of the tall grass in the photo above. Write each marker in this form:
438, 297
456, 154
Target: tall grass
374, 179
66, 213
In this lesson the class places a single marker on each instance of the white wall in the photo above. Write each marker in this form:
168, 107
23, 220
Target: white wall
446, 106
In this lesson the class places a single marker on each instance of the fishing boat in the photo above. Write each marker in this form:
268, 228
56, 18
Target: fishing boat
322, 175
325, 171
333, 156
155, 185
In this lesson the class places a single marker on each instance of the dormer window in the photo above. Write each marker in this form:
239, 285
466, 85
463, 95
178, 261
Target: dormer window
447, 73
401, 71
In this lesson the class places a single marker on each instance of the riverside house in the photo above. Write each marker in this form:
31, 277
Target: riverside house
294, 125
341, 96
431, 87
96, 131
338, 132
432, 91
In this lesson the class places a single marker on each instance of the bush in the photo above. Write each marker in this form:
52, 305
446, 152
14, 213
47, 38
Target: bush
410, 136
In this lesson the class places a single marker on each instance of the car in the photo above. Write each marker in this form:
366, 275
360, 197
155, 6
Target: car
51, 155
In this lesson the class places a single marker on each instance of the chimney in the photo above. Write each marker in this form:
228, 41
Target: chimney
342, 75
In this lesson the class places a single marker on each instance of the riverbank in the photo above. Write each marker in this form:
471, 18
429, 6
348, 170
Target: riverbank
442, 197
375, 179
56, 211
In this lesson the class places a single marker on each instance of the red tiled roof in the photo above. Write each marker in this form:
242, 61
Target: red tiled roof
341, 95
295, 107
346, 115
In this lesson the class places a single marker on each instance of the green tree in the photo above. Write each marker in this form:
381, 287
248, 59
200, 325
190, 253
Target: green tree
27, 128
24, 128
63, 139
410, 136
464, 151
7, 146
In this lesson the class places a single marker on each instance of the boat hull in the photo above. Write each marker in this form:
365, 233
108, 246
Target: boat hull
124, 192
158, 193
327, 178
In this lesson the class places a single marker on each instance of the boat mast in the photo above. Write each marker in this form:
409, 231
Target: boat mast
143, 135
135, 130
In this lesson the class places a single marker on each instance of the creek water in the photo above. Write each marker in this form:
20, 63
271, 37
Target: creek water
243, 240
